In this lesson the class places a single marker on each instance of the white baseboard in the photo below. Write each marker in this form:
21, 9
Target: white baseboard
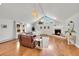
77, 45
6, 40
74, 44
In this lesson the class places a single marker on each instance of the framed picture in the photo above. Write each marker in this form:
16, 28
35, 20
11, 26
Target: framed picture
18, 30
18, 25
3, 26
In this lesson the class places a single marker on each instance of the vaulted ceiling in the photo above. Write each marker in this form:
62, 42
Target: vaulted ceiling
23, 11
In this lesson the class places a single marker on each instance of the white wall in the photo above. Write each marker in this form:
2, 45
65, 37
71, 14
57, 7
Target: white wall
45, 24
54, 25
23, 12
7, 33
44, 31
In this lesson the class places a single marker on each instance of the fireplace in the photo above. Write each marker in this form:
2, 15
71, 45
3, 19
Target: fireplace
58, 32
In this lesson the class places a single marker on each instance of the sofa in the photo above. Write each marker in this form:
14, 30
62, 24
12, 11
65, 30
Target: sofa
26, 40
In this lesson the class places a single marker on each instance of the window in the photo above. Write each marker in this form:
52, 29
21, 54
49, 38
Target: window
18, 25
40, 22
44, 27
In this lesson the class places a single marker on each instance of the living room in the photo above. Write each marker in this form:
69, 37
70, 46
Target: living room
39, 29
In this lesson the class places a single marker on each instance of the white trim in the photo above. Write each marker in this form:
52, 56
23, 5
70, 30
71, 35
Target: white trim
5, 40
77, 45
74, 44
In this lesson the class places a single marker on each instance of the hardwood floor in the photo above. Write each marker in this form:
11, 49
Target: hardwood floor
57, 47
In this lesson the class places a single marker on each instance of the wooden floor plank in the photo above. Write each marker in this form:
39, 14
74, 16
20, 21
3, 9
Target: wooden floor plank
57, 47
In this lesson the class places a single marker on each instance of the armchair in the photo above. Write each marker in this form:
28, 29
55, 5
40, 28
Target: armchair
26, 40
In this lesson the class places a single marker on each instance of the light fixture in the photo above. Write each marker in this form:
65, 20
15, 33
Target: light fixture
34, 13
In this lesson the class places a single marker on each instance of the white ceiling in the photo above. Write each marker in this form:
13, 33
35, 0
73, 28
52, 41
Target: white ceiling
23, 11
